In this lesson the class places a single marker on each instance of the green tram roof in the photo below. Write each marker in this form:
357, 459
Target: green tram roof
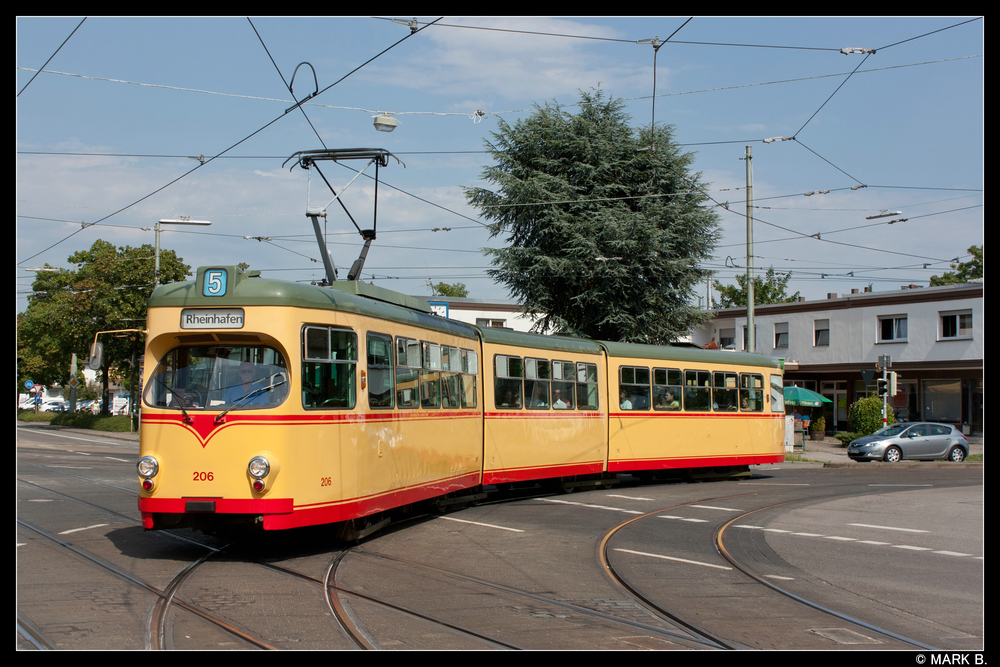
687, 354
248, 290
539, 341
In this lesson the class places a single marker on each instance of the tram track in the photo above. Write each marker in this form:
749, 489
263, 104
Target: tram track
718, 543
720, 546
166, 594
535, 597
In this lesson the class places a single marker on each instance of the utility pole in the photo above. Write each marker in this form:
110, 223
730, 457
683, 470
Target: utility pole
751, 345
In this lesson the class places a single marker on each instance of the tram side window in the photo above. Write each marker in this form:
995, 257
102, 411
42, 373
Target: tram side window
536, 383
697, 390
725, 392
633, 388
508, 372
562, 385
380, 387
430, 375
668, 386
470, 369
586, 387
451, 376
751, 392
777, 394
407, 373
329, 358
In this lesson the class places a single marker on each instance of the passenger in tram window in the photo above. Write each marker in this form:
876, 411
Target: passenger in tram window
625, 403
557, 400
670, 401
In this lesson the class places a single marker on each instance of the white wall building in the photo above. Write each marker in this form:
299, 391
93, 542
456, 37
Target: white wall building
934, 336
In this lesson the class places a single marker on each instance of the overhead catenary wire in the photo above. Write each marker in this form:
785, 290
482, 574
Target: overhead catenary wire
203, 163
799, 234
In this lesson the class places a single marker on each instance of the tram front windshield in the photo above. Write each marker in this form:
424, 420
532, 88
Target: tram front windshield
219, 377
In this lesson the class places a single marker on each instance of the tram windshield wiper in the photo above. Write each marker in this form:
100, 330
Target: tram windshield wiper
277, 380
187, 417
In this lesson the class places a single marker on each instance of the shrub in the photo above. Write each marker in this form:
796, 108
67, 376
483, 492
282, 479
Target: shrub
865, 415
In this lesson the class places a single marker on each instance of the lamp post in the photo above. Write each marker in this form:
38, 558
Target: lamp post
157, 227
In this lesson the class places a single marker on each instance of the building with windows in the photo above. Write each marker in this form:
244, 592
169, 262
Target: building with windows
496, 313
932, 335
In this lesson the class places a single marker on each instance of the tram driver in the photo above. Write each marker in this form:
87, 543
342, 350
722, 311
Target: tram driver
248, 375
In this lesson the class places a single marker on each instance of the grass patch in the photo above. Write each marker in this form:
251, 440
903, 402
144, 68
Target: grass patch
30, 416
795, 457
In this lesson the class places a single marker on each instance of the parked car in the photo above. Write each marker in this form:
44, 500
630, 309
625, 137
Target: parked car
920, 440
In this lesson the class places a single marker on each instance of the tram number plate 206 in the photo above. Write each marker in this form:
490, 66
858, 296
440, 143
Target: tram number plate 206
203, 477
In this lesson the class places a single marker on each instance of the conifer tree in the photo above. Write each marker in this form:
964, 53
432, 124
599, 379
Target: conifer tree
604, 231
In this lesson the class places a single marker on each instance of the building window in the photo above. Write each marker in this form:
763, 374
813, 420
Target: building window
756, 342
781, 335
481, 322
892, 329
956, 325
822, 332
727, 339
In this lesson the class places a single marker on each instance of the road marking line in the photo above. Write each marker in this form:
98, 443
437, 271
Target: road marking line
598, 507
842, 539
907, 546
873, 542
711, 507
77, 530
485, 525
810, 534
682, 518
114, 459
679, 560
908, 530
775, 576
629, 497
59, 435
950, 553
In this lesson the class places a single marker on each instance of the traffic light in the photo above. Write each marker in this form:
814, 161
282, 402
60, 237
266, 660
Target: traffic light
893, 383
882, 387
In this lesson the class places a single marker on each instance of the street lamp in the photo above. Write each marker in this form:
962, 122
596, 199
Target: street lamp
385, 123
156, 227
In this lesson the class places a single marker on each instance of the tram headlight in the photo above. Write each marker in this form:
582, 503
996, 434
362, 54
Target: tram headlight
258, 467
147, 467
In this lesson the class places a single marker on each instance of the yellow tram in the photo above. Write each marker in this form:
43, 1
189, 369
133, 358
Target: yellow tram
282, 405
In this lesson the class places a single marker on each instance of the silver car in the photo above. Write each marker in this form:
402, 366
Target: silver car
915, 440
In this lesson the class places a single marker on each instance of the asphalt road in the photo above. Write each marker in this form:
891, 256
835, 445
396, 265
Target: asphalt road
895, 548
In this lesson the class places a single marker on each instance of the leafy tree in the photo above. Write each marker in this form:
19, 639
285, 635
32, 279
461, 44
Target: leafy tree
964, 271
865, 415
456, 290
603, 235
770, 288
107, 291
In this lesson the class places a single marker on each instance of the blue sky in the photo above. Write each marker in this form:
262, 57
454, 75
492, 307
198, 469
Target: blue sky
125, 102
